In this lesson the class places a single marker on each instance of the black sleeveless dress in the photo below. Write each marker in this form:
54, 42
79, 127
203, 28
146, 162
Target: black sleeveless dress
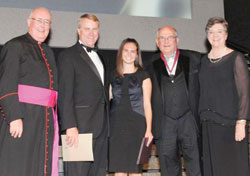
127, 122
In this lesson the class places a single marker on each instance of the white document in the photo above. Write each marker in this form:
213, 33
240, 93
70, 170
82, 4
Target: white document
84, 150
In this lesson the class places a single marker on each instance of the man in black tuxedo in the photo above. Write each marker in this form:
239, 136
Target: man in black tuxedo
175, 98
83, 97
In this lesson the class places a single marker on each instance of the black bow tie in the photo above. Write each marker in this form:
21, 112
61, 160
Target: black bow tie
89, 49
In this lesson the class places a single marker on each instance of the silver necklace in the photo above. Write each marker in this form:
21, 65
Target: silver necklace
215, 60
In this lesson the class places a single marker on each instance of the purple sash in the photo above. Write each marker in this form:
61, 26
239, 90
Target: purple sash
43, 97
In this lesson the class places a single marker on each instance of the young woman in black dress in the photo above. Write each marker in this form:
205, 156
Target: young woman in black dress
131, 113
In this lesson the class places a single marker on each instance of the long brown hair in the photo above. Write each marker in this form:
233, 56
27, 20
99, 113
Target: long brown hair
119, 61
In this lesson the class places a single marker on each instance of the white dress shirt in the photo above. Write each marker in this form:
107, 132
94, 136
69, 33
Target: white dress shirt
97, 62
170, 62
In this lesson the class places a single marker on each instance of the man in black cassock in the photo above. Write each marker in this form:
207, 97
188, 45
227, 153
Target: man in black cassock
83, 97
28, 78
175, 96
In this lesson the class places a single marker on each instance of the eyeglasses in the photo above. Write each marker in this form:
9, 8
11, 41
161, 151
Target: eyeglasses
41, 21
219, 32
169, 38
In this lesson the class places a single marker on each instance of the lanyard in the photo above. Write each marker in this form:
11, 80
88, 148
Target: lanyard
175, 61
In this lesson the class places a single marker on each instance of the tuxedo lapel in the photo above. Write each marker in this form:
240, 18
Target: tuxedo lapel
88, 60
159, 69
104, 68
185, 65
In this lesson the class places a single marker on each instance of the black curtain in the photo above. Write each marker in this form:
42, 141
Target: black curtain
237, 14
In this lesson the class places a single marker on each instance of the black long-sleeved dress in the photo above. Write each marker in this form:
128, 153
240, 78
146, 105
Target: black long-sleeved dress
22, 62
224, 98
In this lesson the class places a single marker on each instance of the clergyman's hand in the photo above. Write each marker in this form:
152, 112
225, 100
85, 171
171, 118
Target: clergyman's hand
16, 128
72, 137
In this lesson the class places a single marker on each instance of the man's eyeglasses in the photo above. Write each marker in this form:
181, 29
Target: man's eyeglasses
41, 21
169, 38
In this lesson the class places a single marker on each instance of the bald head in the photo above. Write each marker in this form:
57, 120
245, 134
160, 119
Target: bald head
170, 28
39, 24
39, 10
167, 40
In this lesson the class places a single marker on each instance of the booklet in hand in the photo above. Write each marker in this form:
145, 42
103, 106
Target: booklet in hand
83, 152
144, 152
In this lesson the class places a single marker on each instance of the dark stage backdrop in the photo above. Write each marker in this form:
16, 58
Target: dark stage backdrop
237, 13
109, 55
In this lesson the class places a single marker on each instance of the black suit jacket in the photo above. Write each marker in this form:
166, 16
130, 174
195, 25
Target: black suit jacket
83, 99
189, 61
